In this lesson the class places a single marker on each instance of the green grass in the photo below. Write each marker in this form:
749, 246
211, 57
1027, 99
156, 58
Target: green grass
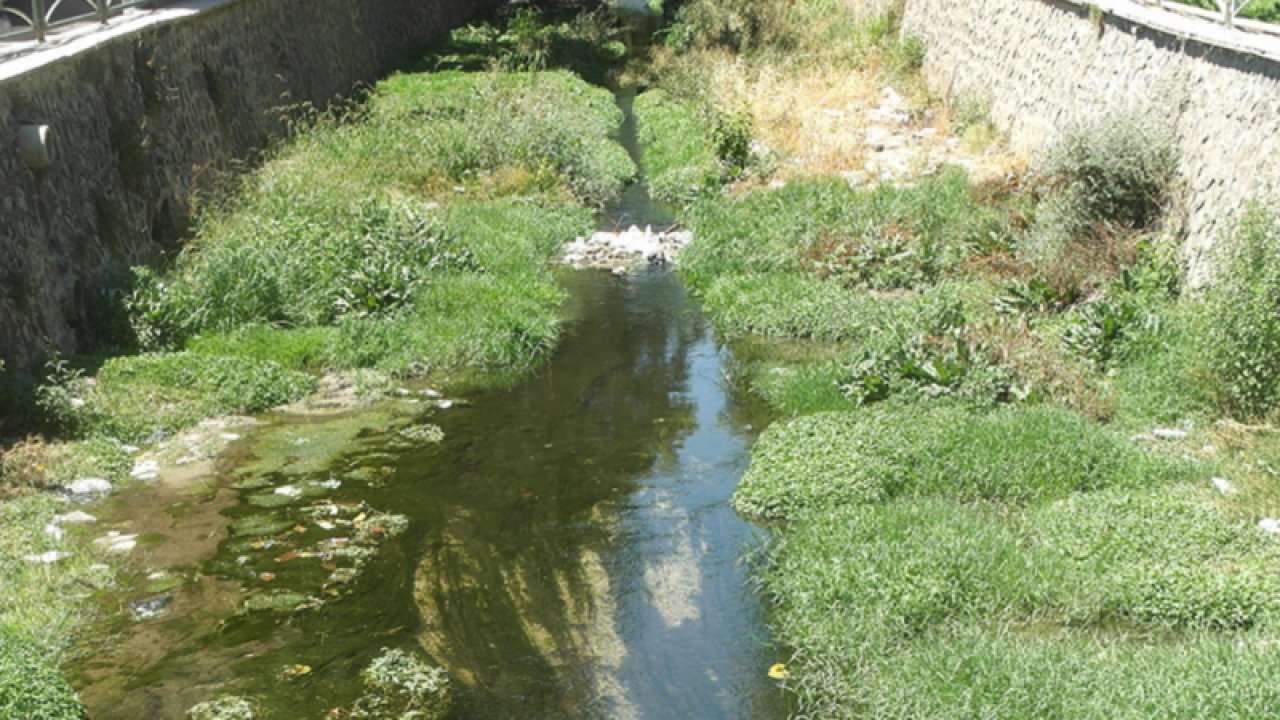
678, 139
411, 236
933, 608
40, 610
136, 396
883, 238
1016, 455
1264, 10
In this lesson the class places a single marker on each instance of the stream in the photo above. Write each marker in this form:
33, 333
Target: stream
570, 549
569, 552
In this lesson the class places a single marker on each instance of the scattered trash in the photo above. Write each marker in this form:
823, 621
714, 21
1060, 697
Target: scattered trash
150, 607
89, 489
1270, 525
289, 491
294, 671
1223, 486
778, 671
47, 558
74, 518
1169, 434
115, 542
608, 249
145, 470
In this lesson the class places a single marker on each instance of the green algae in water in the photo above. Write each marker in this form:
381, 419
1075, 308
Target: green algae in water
311, 447
164, 582
253, 482
260, 525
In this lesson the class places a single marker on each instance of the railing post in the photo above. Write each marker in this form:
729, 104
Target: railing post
39, 22
1229, 12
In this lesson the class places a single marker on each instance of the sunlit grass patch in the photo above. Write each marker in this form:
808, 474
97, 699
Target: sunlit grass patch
134, 397
828, 460
931, 608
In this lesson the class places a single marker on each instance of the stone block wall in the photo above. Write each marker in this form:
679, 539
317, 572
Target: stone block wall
144, 122
1043, 65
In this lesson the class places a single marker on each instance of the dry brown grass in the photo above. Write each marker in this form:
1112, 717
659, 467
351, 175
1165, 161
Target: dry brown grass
26, 467
1042, 363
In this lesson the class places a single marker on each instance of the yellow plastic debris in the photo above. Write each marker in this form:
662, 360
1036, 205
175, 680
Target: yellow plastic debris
778, 671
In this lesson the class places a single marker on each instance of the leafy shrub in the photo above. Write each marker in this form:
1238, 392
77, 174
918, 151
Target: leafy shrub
830, 460
930, 351
1242, 318
1119, 169
1265, 10
589, 44
737, 25
1107, 179
1134, 305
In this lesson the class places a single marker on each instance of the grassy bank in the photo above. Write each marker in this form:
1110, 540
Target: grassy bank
1000, 411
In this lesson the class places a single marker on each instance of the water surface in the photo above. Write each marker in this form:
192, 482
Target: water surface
570, 551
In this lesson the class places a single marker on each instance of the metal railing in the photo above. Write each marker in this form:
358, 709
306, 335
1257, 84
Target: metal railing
40, 16
1228, 10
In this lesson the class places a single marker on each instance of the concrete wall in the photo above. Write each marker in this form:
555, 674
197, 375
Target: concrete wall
1043, 65
145, 121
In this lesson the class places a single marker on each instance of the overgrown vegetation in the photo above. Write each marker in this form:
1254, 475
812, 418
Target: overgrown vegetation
978, 519
1264, 10
413, 232
1242, 322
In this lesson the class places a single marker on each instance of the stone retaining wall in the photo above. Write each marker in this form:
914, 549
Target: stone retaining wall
142, 123
1043, 65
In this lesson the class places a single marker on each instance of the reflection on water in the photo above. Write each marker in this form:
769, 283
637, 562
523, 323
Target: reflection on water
570, 553
581, 560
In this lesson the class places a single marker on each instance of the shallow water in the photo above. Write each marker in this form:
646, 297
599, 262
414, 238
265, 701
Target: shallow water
570, 552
